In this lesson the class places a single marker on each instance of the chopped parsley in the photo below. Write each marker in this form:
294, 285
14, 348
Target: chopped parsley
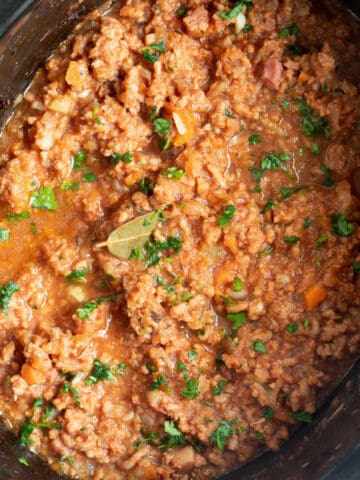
146, 187
248, 28
152, 114
162, 126
89, 177
77, 275
268, 413
44, 198
236, 10
219, 387
311, 124
221, 435
154, 247
292, 328
291, 239
254, 139
315, 149
95, 114
6, 292
307, 222
356, 268
79, 159
69, 186
182, 11
237, 319
301, 417
287, 192
192, 354
38, 402
328, 180
321, 240
67, 388
173, 173
4, 235
125, 158
150, 367
292, 29
158, 381
259, 346
265, 252
23, 461
228, 113
226, 216
191, 389
285, 104
238, 285
152, 53
341, 226
16, 217
120, 369
268, 206
99, 373
271, 162
174, 436
28, 427
87, 308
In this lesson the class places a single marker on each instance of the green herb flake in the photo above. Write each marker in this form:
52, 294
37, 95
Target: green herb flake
79, 160
259, 346
162, 126
268, 413
23, 461
291, 240
221, 435
301, 417
227, 300
186, 296
236, 10
237, 319
192, 354
89, 177
152, 114
219, 387
6, 292
28, 427
38, 402
227, 214
173, 173
120, 369
154, 247
191, 389
174, 435
268, 206
44, 198
69, 186
254, 139
248, 28
182, 11
146, 187
287, 192
356, 268
124, 157
259, 435
266, 252
16, 217
4, 235
67, 388
307, 222
158, 381
341, 226
311, 124
99, 373
238, 285
292, 29
285, 104
152, 53
292, 328
87, 308
271, 162
77, 275
321, 240
328, 180
95, 114
150, 367
228, 113
315, 149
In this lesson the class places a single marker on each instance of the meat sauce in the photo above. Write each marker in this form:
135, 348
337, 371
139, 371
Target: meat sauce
235, 129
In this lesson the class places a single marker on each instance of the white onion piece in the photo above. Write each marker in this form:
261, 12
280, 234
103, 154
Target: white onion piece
240, 22
181, 128
239, 295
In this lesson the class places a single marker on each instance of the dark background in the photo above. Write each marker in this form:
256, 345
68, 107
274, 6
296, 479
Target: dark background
349, 467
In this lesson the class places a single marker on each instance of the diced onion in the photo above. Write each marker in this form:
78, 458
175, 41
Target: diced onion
240, 22
180, 126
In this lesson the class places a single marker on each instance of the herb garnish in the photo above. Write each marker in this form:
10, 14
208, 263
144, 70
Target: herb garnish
291, 239
6, 292
341, 226
77, 275
158, 381
152, 53
219, 387
287, 192
44, 198
259, 346
307, 222
236, 10
146, 187
292, 29
87, 308
328, 180
125, 157
153, 248
4, 235
237, 319
28, 427
99, 372
237, 285
271, 162
255, 139
268, 413
173, 172
191, 389
292, 328
311, 123
301, 417
268, 206
79, 159
89, 177
67, 388
226, 216
356, 268
221, 435
15, 217
68, 185
228, 113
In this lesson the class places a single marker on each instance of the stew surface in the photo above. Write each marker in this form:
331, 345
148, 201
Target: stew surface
194, 337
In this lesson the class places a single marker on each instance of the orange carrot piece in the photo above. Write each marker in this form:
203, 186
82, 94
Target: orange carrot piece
314, 295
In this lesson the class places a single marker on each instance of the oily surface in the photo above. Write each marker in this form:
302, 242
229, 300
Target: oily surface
243, 306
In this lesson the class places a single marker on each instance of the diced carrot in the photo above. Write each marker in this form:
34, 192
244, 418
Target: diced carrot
37, 363
303, 77
75, 74
30, 375
185, 122
314, 295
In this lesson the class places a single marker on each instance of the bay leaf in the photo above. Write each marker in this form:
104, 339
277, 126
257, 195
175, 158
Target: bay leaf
130, 235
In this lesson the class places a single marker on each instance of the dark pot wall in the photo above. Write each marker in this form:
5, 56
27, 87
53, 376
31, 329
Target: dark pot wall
329, 448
